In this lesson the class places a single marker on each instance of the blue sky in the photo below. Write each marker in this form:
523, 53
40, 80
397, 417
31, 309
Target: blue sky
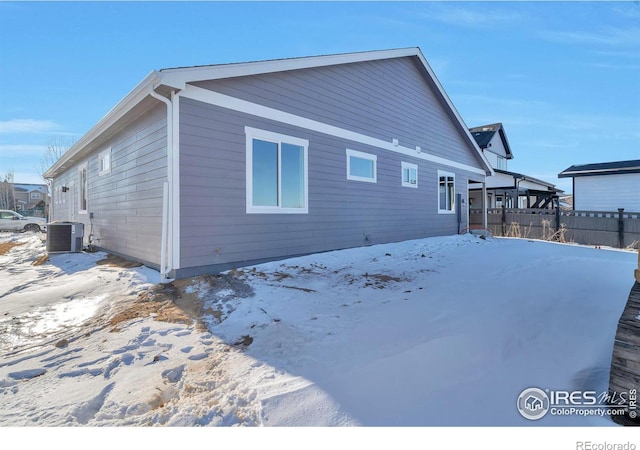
563, 78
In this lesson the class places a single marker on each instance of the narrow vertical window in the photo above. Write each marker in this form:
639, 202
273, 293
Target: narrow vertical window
82, 186
446, 189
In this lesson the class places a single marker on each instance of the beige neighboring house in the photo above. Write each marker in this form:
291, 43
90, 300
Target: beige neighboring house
28, 197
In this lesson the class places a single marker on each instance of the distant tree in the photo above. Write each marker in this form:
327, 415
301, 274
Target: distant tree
7, 199
56, 147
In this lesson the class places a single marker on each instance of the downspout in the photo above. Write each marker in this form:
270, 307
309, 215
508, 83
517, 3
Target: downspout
165, 261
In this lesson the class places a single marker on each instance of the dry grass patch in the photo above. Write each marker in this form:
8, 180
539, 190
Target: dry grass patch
116, 261
166, 302
41, 260
5, 247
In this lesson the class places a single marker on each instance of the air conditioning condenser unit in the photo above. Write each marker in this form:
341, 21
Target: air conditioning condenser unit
64, 237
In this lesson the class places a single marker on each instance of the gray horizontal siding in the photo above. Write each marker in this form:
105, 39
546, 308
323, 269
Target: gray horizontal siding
127, 202
384, 99
217, 231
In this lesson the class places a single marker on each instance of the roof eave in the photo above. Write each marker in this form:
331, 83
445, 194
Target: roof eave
179, 77
134, 97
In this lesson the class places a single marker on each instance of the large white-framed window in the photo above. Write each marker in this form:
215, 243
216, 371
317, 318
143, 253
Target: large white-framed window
83, 191
104, 162
409, 174
361, 166
446, 189
34, 195
277, 173
501, 163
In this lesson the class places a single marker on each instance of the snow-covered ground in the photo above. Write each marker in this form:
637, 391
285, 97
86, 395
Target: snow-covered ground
436, 332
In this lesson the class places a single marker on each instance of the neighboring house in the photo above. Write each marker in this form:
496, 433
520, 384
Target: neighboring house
30, 196
511, 189
201, 169
605, 186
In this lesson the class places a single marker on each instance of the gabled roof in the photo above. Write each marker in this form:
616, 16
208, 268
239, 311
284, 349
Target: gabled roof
607, 168
484, 133
176, 79
550, 186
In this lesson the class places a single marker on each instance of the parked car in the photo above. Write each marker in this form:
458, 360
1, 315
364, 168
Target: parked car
12, 221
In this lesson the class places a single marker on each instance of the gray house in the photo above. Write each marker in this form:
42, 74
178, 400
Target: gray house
201, 169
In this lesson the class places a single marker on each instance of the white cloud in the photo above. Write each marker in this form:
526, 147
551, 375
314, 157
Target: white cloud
470, 16
27, 126
614, 37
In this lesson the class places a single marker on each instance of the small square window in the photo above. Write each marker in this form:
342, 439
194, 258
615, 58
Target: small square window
409, 175
104, 162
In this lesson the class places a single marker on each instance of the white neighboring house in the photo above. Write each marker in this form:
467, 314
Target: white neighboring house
504, 187
605, 186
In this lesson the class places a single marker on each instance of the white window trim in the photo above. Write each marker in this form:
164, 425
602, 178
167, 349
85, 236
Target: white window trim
362, 155
442, 173
254, 133
410, 166
84, 166
101, 155
35, 195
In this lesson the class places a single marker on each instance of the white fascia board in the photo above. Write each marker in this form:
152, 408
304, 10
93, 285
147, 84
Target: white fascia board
135, 96
603, 171
179, 77
254, 109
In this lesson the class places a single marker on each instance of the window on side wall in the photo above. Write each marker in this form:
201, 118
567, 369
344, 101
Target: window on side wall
277, 173
446, 189
409, 174
361, 166
82, 189
104, 162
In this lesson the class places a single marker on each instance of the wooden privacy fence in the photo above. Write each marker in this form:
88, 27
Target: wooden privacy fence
614, 229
